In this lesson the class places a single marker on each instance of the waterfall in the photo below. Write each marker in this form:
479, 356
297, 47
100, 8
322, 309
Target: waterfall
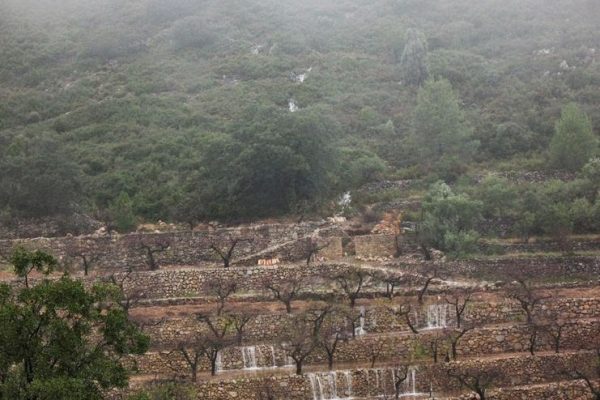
436, 316
273, 359
249, 357
293, 107
360, 329
384, 384
219, 362
325, 385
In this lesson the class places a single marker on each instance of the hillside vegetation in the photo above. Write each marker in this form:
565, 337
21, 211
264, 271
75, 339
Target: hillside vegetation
194, 110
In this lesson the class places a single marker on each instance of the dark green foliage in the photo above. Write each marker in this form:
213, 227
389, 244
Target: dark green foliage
450, 221
438, 125
414, 58
574, 142
45, 338
128, 93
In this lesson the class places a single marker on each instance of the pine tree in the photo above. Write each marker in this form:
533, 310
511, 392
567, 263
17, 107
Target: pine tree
573, 143
413, 59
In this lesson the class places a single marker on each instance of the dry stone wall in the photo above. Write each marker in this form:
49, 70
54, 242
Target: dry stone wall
118, 252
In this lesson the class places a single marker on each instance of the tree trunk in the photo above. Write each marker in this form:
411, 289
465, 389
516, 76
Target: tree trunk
288, 306
298, 367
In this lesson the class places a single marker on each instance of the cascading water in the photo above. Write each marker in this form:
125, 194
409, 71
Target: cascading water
360, 329
219, 362
249, 357
383, 383
293, 107
436, 316
325, 385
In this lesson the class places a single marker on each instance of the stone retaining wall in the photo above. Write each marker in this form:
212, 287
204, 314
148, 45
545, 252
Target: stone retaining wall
512, 371
118, 252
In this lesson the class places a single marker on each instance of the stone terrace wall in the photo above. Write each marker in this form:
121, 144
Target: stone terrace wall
375, 246
485, 341
513, 371
189, 282
117, 252
549, 267
265, 328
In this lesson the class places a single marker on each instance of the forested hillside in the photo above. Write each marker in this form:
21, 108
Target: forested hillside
201, 109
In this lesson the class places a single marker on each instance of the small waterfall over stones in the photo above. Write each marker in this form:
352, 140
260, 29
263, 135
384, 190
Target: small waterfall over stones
360, 329
253, 358
219, 362
293, 107
333, 385
381, 382
436, 316
249, 357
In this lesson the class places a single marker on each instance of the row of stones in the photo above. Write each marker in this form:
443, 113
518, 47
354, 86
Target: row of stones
269, 327
508, 372
478, 342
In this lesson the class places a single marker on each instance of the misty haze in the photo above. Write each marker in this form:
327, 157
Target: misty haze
299, 200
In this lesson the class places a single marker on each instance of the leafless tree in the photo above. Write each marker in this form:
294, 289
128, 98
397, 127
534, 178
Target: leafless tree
525, 294
222, 288
226, 254
429, 273
331, 334
265, 389
284, 291
391, 280
298, 342
352, 281
313, 247
192, 353
352, 318
476, 379
436, 341
76, 249
588, 373
400, 376
404, 312
459, 300
239, 320
454, 336
374, 350
150, 245
553, 327
131, 295
216, 339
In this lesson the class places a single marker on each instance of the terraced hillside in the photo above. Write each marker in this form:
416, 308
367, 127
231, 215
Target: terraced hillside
341, 328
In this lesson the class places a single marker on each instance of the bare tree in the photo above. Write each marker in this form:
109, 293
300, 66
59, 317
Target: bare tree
391, 280
352, 281
429, 273
298, 342
217, 338
192, 353
285, 291
404, 312
588, 373
436, 341
222, 288
150, 245
553, 327
459, 300
400, 376
226, 254
374, 350
265, 389
476, 379
454, 336
330, 334
239, 320
131, 295
352, 317
76, 249
312, 248
526, 295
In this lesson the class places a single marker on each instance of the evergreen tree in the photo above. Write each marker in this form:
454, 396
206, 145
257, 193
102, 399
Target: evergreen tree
438, 125
414, 59
573, 143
